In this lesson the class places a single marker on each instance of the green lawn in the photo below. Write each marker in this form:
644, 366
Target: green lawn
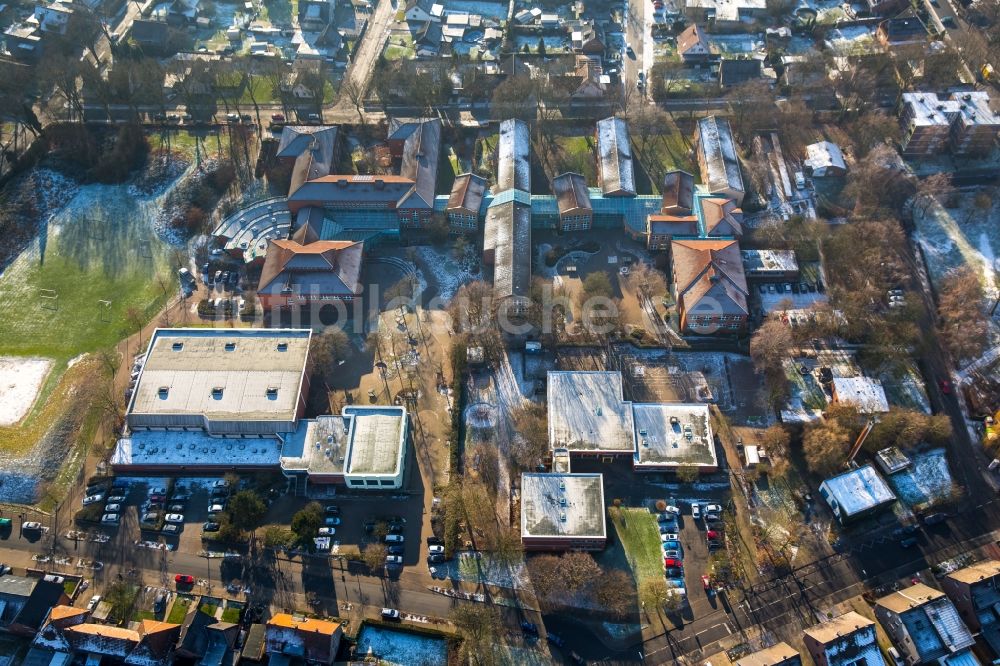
209, 609
639, 536
663, 153
141, 615
179, 610
577, 155
231, 614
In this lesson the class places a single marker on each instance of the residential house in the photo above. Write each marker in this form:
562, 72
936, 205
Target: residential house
575, 210
614, 165
824, 160
975, 591
734, 71
725, 14
69, 636
692, 45
184, 12
420, 12
593, 82
857, 494
54, 18
465, 202
310, 640
298, 275
25, 602
902, 30
315, 15
925, 626
709, 286
23, 42
150, 35
717, 159
885, 7
846, 640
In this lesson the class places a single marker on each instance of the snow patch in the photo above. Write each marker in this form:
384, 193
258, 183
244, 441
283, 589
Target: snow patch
20, 381
927, 481
394, 646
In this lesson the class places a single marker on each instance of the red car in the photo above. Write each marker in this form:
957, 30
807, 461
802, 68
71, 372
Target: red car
182, 579
706, 583
671, 562
712, 535
945, 386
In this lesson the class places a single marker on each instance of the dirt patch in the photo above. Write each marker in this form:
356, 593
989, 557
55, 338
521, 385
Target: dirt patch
20, 381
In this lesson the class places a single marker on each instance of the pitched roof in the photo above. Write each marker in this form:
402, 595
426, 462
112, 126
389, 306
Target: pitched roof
904, 29
508, 231
678, 191
571, 192
735, 71
44, 596
615, 157
467, 192
351, 189
305, 624
977, 572
61, 612
691, 37
513, 157
421, 152
331, 267
838, 627
721, 217
710, 269
911, 597
721, 166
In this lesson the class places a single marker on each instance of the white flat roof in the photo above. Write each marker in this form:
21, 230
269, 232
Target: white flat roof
864, 393
259, 372
856, 491
673, 434
194, 448
587, 412
377, 440
562, 505
319, 446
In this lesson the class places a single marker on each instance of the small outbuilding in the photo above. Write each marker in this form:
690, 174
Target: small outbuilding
857, 494
824, 159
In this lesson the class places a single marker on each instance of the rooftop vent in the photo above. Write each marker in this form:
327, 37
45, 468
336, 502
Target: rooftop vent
177, 346
282, 346
272, 393
217, 393
562, 517
163, 392
230, 346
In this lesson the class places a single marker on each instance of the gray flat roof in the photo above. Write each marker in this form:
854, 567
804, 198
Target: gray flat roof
259, 372
562, 505
588, 413
377, 440
673, 434
319, 446
174, 447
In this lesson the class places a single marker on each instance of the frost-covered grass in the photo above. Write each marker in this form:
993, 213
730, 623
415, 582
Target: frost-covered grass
927, 482
396, 646
962, 236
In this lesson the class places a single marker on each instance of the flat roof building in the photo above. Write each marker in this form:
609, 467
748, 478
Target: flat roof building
975, 591
671, 435
235, 381
377, 453
857, 494
614, 158
770, 264
925, 626
563, 512
864, 393
781, 654
846, 640
588, 414
964, 123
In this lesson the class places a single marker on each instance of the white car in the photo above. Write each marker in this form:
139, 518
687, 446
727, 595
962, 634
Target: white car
94, 600
327, 531
668, 536
93, 499
111, 519
174, 518
216, 508
113, 508
156, 491
31, 525
221, 483
713, 508
435, 550
393, 560
695, 510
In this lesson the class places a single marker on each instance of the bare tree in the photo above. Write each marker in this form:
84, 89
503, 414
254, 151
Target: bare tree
963, 324
355, 92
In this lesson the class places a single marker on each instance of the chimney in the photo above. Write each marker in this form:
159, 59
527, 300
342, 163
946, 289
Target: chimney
379, 184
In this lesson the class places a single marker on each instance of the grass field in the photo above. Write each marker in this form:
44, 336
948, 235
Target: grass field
179, 610
639, 536
577, 155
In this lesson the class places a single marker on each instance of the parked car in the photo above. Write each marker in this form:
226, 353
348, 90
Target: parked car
436, 559
706, 582
210, 527
529, 628
712, 535
172, 528
92, 499
672, 563
327, 531
668, 536
935, 518
31, 526
394, 538
396, 550
673, 549
695, 510
668, 528
331, 520
160, 602
434, 541
232, 117
435, 550
713, 509
390, 614
216, 508
945, 386
184, 579
150, 517
94, 600
111, 518
332, 509
277, 118
314, 118
113, 508
393, 560
176, 508
156, 490
905, 530
174, 518
674, 572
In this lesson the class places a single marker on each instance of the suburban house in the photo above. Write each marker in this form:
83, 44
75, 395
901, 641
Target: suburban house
575, 210
507, 230
824, 159
563, 512
925, 626
68, 636
709, 285
725, 14
202, 637
964, 124
901, 30
421, 11
846, 640
734, 71
857, 494
975, 592
717, 159
150, 35
614, 164
781, 654
692, 45
296, 637
885, 7
465, 202
299, 275
25, 603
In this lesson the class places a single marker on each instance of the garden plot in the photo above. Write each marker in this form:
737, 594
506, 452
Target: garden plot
927, 482
20, 381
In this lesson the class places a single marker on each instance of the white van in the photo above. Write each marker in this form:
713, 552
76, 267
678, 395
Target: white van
800, 180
